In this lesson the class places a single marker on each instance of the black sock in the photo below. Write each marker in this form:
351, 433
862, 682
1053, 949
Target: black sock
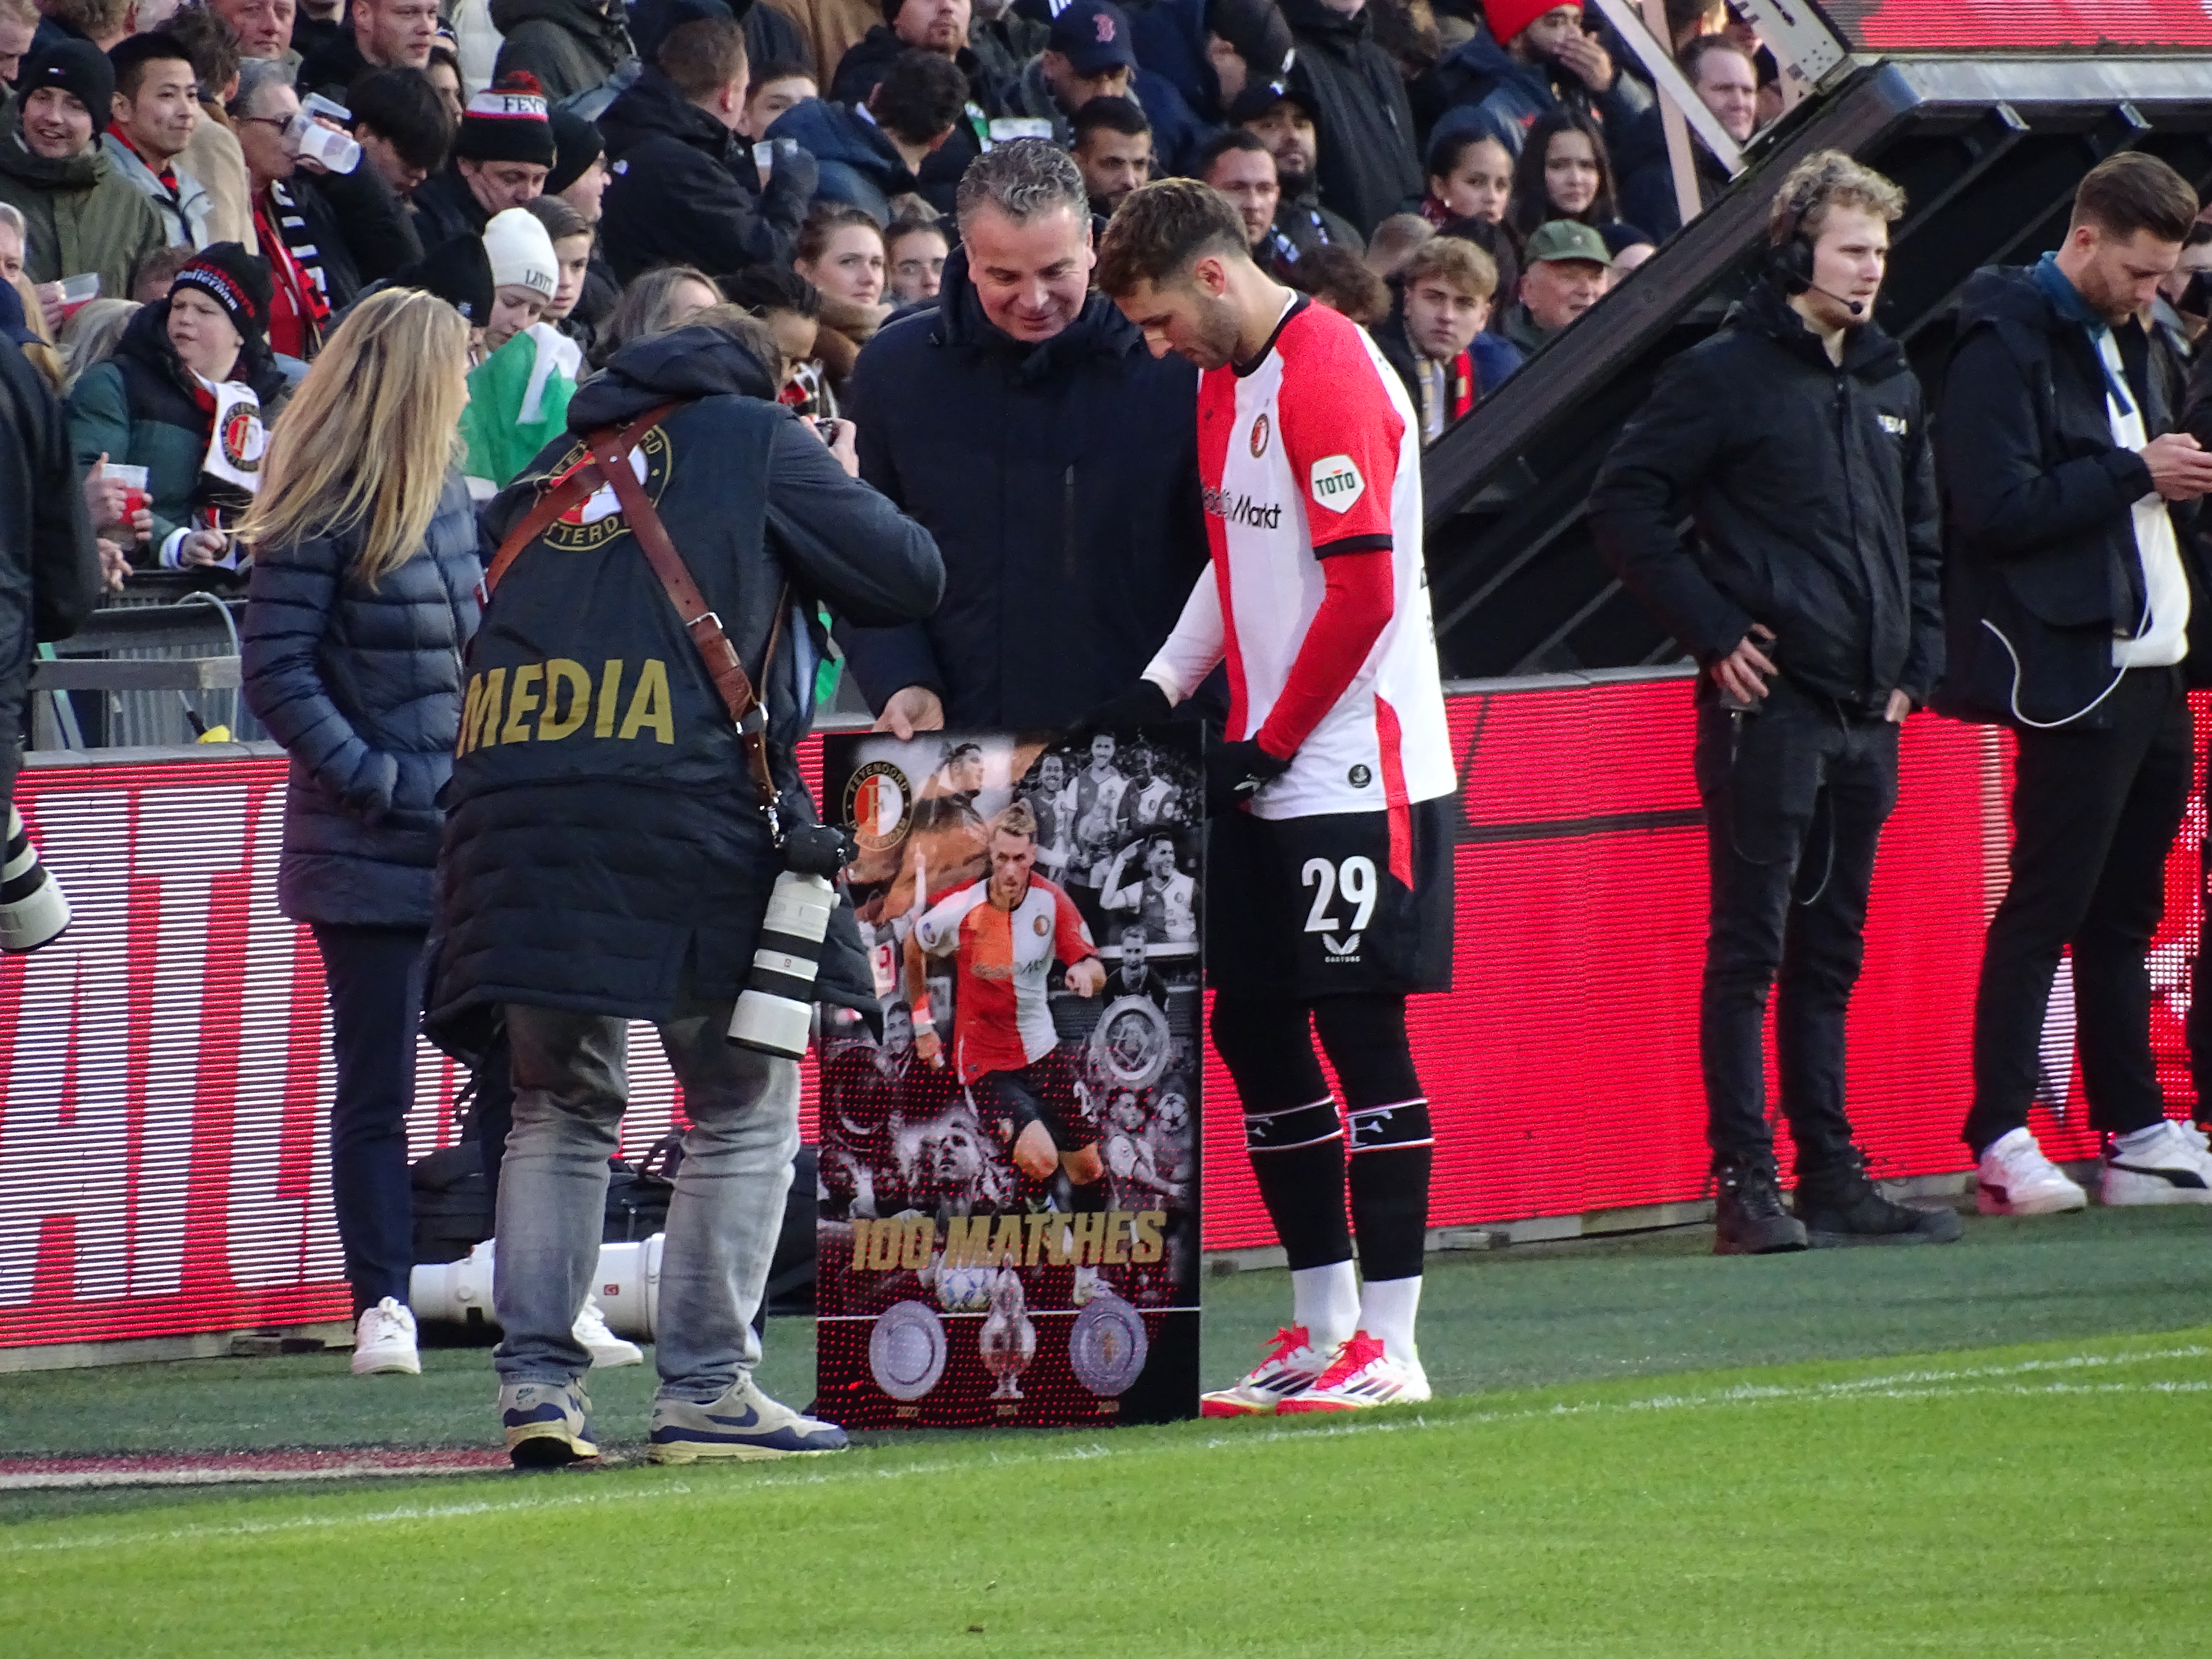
1291, 1128
1392, 1147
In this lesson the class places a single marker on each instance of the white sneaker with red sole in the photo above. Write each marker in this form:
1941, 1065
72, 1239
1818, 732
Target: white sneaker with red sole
1360, 1378
1290, 1368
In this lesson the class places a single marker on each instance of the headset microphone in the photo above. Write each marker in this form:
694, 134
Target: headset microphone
1856, 308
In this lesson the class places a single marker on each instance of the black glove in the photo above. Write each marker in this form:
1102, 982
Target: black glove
1235, 772
1142, 704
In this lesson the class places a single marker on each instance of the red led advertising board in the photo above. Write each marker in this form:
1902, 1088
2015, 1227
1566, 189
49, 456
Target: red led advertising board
164, 1077
2021, 25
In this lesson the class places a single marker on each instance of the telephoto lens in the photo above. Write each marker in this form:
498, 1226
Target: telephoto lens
776, 1010
34, 910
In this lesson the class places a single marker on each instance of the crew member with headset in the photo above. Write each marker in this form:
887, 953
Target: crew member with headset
613, 836
1796, 440
2067, 605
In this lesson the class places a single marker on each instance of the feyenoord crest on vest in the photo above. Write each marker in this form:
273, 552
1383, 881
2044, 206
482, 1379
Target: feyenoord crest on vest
597, 519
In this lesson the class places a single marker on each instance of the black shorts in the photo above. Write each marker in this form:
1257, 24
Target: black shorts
1042, 1092
1287, 916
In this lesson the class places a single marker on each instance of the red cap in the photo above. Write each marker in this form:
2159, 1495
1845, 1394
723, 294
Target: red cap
1509, 17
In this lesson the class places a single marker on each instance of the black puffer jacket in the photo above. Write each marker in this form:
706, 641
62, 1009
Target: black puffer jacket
49, 571
362, 686
605, 849
1061, 481
1367, 168
1813, 493
686, 193
2038, 505
570, 45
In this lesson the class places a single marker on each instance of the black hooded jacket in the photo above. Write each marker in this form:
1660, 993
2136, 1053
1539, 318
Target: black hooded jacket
1367, 168
1061, 480
570, 45
1813, 490
686, 190
604, 851
2039, 505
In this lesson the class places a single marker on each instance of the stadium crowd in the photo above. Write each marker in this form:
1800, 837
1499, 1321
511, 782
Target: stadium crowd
588, 212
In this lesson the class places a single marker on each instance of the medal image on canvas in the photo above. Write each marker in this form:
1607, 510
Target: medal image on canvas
1008, 1227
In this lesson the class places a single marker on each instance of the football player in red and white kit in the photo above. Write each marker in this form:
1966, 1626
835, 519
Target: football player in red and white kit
1005, 934
1329, 858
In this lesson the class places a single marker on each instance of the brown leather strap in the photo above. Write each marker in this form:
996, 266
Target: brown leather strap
584, 479
705, 628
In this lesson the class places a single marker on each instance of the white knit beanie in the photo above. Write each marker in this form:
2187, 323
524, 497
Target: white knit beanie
521, 253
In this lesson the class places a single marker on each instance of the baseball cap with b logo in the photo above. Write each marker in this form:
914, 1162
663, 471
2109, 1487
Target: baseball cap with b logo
1093, 35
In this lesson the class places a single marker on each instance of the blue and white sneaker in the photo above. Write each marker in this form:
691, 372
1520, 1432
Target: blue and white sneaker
548, 1424
743, 1424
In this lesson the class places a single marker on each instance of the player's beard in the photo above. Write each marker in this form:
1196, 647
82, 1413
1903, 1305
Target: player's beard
1217, 326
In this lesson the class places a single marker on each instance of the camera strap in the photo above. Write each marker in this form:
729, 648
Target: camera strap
608, 463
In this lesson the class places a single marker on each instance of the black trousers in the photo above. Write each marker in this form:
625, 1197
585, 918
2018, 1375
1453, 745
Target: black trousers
1795, 797
2094, 817
374, 976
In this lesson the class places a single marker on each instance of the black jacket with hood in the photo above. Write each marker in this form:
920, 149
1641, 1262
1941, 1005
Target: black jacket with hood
1813, 490
604, 851
1367, 169
570, 45
2039, 505
686, 190
1061, 480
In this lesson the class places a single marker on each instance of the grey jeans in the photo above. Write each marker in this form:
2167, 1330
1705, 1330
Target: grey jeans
571, 1085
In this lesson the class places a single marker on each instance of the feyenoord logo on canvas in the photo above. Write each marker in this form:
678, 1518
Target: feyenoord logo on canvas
1008, 1227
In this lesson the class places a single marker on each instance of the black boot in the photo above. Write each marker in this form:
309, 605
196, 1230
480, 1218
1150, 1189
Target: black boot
1839, 1205
1748, 1218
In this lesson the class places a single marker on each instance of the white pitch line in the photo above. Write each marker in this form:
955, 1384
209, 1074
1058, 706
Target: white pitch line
1925, 1384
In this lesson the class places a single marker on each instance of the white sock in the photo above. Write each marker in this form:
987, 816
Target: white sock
1388, 1307
1326, 1301
2139, 1140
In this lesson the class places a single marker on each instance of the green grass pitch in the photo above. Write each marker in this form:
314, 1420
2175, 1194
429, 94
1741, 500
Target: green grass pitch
1624, 1471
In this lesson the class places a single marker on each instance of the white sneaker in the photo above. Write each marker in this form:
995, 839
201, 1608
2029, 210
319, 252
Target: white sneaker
384, 1340
1289, 1371
1361, 1377
607, 1350
2015, 1178
2176, 1168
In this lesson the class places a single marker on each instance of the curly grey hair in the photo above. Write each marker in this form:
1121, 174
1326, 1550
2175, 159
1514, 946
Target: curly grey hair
1022, 179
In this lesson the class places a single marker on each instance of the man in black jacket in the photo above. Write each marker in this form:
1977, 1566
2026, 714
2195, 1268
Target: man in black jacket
685, 189
570, 45
607, 858
1797, 440
941, 26
2067, 600
1368, 169
502, 154
50, 581
1053, 458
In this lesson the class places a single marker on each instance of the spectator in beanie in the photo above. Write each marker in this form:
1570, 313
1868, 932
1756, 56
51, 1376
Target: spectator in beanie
1285, 123
1534, 59
1727, 84
384, 34
401, 125
501, 158
83, 216
941, 26
570, 45
519, 395
1112, 151
1435, 339
1565, 172
1367, 168
685, 189
154, 110
154, 404
775, 88
1568, 268
1470, 177
325, 235
213, 155
1054, 459
870, 152
914, 251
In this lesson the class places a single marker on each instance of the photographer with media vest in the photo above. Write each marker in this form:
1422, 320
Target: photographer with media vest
625, 796
1796, 440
